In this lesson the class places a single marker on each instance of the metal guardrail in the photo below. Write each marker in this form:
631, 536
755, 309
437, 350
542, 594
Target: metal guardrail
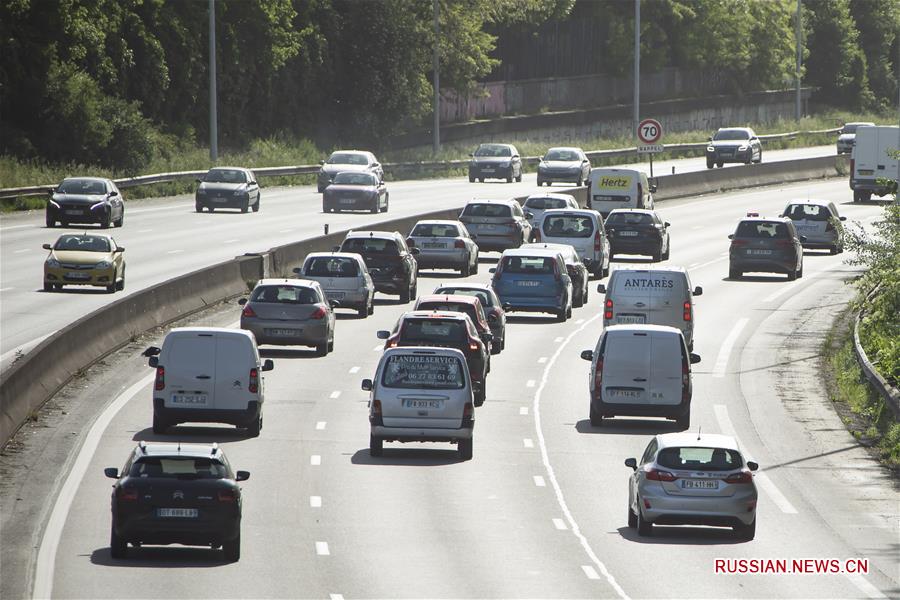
890, 394
128, 182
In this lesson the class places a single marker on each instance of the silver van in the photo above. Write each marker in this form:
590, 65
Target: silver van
651, 296
208, 374
421, 394
640, 371
609, 189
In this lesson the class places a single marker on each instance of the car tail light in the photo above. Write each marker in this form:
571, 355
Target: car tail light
473, 344
556, 274
126, 494
742, 477
751, 505
852, 167
253, 386
375, 416
598, 243
657, 475
248, 312
537, 235
685, 378
459, 244
468, 411
319, 313
228, 496
735, 243
787, 243
687, 311
608, 309
160, 382
598, 376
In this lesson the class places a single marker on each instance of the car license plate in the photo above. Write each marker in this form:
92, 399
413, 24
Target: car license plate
219, 199
757, 252
528, 283
614, 393
630, 319
178, 513
434, 245
73, 212
487, 170
866, 171
436, 404
628, 233
347, 200
197, 399
335, 295
283, 332
77, 275
700, 484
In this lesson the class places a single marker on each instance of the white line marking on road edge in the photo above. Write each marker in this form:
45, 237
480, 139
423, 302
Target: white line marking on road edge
315, 460
335, 597
378, 347
542, 360
230, 241
528, 443
579, 321
17, 227
558, 340
144, 230
864, 585
692, 265
707, 263
539, 481
761, 478
530, 383
320, 425
560, 524
335, 394
315, 501
725, 349
551, 474
21, 251
590, 572
523, 410
46, 559
174, 251
788, 288
322, 549
354, 370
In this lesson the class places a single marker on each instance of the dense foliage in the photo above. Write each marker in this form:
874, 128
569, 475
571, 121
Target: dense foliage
116, 83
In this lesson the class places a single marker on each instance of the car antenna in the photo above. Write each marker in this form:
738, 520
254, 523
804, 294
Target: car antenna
698, 432
179, 445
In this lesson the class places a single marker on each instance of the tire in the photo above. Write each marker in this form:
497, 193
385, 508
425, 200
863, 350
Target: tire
668, 251
509, 178
684, 422
792, 276
710, 164
121, 220
120, 285
105, 221
406, 295
519, 178
111, 288
481, 395
159, 425
759, 160
375, 208
474, 269
371, 309
644, 527
540, 182
632, 518
471, 179
578, 181
376, 446
586, 295
48, 287
481, 180
322, 349
595, 417
118, 548
51, 222
211, 209
331, 345
734, 273
465, 449
561, 315
256, 205
232, 549
255, 427
245, 206
720, 164
857, 196
745, 532
363, 311
198, 207
800, 272
578, 301
833, 249
657, 255
320, 187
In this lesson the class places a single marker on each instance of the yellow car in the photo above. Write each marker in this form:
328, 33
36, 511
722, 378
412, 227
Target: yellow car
85, 259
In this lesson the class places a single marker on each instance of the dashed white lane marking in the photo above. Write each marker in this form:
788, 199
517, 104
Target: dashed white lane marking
335, 394
542, 360
354, 369
551, 474
530, 383
17, 227
144, 230
709, 262
6, 289
315, 501
285, 230
560, 524
320, 425
528, 443
335, 597
696, 227
230, 241
523, 410
863, 585
558, 340
788, 288
692, 265
725, 349
539, 481
761, 478
174, 251
22, 250
590, 572
322, 549
378, 347
315, 460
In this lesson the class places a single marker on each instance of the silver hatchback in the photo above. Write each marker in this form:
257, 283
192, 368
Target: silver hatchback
444, 245
692, 479
344, 278
288, 312
819, 222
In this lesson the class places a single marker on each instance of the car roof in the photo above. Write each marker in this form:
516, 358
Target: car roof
423, 350
614, 170
747, 129
352, 255
435, 314
468, 286
103, 179
549, 195
826, 203
379, 235
576, 148
507, 202
179, 449
703, 440
437, 222
579, 212
645, 211
561, 248
284, 281
86, 234
651, 269
495, 144
626, 328
229, 169
766, 219
530, 252
363, 152
458, 298
220, 330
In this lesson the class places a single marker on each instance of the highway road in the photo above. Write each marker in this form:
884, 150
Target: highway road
540, 511
165, 238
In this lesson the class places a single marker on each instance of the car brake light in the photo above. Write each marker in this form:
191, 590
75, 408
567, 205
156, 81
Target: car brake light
598, 376
608, 310
319, 313
537, 235
473, 345
657, 475
253, 386
742, 477
127, 494
459, 244
468, 411
685, 378
852, 167
376, 410
160, 378
227, 496
598, 245
248, 312
687, 311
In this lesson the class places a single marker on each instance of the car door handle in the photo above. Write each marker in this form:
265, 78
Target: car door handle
639, 379
202, 376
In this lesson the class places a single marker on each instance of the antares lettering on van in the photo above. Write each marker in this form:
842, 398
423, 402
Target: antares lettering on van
622, 183
649, 283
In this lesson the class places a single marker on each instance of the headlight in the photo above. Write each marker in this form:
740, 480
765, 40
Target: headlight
52, 263
505, 164
54, 203
240, 192
201, 191
743, 147
710, 149
103, 264
98, 205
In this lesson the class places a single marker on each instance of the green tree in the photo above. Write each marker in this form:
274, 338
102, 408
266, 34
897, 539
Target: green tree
878, 22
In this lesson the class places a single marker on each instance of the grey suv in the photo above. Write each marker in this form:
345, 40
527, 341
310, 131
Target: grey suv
733, 145
496, 224
767, 245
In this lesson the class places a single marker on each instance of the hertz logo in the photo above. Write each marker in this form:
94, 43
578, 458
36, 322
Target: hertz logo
615, 182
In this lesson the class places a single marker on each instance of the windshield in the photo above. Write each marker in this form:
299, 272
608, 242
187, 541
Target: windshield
700, 459
352, 178
629, 218
562, 155
176, 467
467, 309
370, 246
91, 187
327, 266
347, 158
435, 230
480, 294
732, 134
82, 243
284, 294
545, 203
441, 331
761, 229
568, 226
423, 371
807, 212
493, 150
487, 210
225, 176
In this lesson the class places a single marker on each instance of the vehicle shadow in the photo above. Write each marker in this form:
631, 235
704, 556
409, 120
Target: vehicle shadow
626, 426
287, 353
435, 274
407, 457
192, 434
816, 252
488, 260
162, 557
762, 278
694, 535
531, 318
83, 289
346, 316
392, 301
630, 258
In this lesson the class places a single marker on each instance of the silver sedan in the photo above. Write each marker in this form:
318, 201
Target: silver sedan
444, 245
567, 165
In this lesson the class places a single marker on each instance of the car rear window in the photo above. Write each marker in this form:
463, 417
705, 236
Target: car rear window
428, 371
761, 229
487, 210
284, 294
178, 467
807, 212
444, 331
531, 265
562, 155
370, 246
435, 230
467, 309
545, 203
629, 218
700, 459
82, 243
328, 266
568, 226
347, 158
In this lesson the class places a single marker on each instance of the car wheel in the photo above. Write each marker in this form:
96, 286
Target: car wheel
331, 345
105, 222
406, 295
471, 179
198, 207
48, 287
211, 209
561, 315
792, 275
578, 181
833, 249
481, 180
255, 427
595, 417
111, 288
465, 269
120, 284
232, 549
474, 269
734, 273
322, 349
376, 446
503, 342
644, 527
51, 222
577, 301
256, 204
245, 206
371, 309
668, 251
720, 164
710, 163
759, 158
657, 254
745, 532
585, 295
363, 310
540, 182
509, 178
465, 449
684, 422
632, 518
481, 395
800, 272
118, 547
121, 220
519, 178
159, 425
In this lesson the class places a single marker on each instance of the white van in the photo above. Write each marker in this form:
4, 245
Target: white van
651, 296
874, 163
641, 370
208, 374
609, 189
583, 230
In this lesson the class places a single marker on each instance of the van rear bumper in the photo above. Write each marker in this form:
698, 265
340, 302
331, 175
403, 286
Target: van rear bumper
422, 434
237, 417
668, 411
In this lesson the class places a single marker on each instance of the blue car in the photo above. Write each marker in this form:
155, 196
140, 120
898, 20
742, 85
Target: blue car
534, 280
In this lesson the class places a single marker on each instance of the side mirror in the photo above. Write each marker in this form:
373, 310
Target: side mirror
667, 224
366, 385
601, 288
150, 351
843, 218
507, 307
252, 182
297, 270
47, 247
199, 180
242, 301
471, 154
119, 249
383, 334
529, 215
111, 472
730, 236
321, 162
631, 462
335, 248
492, 270
268, 365
515, 156
802, 238
334, 302
487, 337
709, 139
153, 361
414, 251
113, 193
695, 358
698, 291
752, 465
587, 355
242, 476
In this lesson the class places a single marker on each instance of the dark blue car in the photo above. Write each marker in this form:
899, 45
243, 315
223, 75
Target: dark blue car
534, 280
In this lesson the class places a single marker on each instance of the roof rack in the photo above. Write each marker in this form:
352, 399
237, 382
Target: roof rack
215, 448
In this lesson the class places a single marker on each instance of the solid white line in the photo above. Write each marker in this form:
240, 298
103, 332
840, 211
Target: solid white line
762, 479
21, 251
560, 524
320, 425
528, 443
335, 597
315, 501
354, 369
322, 549
174, 251
530, 383
579, 321
17, 227
558, 340
230, 241
864, 586
539, 481
542, 360
789, 288
46, 559
315, 460
590, 572
144, 230
523, 410
725, 349
335, 394
551, 474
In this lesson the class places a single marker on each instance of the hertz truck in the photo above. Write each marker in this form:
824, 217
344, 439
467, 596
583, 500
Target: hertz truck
875, 162
609, 189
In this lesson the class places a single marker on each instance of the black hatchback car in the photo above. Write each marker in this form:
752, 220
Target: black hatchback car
766, 245
495, 161
176, 494
637, 231
390, 262
86, 200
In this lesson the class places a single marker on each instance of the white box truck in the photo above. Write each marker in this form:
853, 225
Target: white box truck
875, 162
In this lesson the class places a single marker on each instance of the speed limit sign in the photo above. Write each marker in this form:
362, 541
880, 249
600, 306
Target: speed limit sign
649, 131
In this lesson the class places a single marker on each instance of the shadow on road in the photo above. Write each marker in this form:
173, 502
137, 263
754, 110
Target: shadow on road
407, 456
682, 534
155, 557
190, 434
627, 426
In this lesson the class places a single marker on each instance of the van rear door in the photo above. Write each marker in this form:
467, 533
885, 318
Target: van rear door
626, 370
190, 370
631, 298
667, 298
234, 359
423, 389
665, 368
